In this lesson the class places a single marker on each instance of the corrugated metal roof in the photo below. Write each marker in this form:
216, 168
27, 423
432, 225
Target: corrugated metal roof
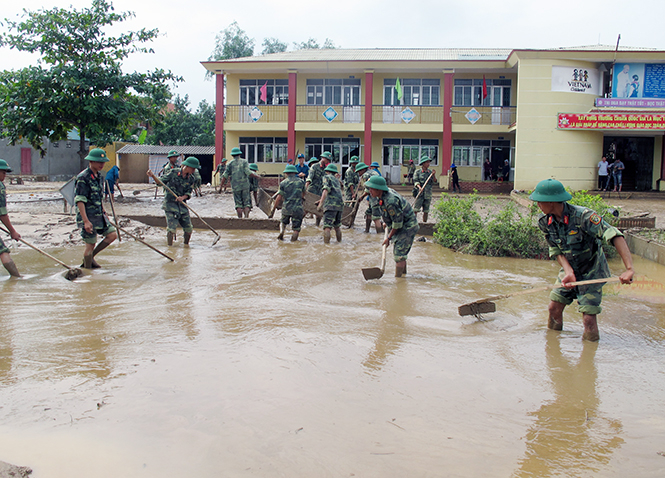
603, 48
152, 149
382, 54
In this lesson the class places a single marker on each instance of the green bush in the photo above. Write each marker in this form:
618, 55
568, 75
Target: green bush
596, 203
507, 233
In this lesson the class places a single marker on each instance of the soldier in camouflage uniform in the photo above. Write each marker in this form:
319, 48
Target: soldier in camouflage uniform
180, 181
314, 182
290, 196
574, 235
7, 261
372, 213
351, 180
91, 217
196, 186
172, 163
332, 204
221, 167
254, 183
239, 173
398, 215
420, 177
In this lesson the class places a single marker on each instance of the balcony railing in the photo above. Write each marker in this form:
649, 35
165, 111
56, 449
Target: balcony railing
462, 115
484, 115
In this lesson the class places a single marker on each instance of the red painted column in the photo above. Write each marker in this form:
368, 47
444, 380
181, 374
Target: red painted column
219, 118
369, 90
447, 143
662, 161
293, 100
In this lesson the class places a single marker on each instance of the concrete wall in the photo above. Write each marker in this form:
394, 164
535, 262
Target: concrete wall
60, 163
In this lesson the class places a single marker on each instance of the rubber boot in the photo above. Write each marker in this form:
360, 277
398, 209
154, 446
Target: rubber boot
186, 237
326, 235
400, 268
368, 223
282, 229
11, 268
338, 234
425, 214
294, 236
169, 238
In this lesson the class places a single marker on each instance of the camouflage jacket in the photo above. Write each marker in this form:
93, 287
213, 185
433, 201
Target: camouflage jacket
221, 167
253, 183
368, 174
168, 167
180, 185
315, 179
396, 211
237, 170
350, 179
3, 200
291, 189
579, 239
420, 177
334, 200
90, 190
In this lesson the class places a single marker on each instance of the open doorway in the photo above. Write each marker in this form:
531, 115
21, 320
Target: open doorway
636, 153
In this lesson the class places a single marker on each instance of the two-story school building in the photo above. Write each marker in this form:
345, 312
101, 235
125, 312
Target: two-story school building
548, 113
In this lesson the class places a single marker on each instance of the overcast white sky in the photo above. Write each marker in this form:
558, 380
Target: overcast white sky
188, 27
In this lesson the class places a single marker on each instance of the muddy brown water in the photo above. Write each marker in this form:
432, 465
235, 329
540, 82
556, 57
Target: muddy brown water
262, 358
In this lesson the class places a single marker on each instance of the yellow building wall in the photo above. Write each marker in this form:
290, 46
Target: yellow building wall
542, 151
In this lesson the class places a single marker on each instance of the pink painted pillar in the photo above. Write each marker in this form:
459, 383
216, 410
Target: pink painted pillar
369, 89
293, 100
662, 161
219, 118
447, 143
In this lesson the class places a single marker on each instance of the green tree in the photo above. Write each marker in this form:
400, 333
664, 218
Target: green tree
78, 82
273, 45
312, 44
182, 127
232, 42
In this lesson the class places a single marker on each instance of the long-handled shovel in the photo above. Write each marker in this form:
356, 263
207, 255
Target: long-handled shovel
136, 238
72, 272
159, 182
115, 217
423, 186
485, 306
121, 195
377, 272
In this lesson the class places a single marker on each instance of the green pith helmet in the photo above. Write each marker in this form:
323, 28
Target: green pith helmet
354, 159
312, 160
374, 164
550, 190
290, 168
254, 167
327, 155
423, 160
172, 153
4, 166
377, 182
360, 166
97, 155
223, 160
192, 162
331, 168
236, 152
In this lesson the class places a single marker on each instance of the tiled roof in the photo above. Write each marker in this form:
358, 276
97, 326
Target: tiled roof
151, 149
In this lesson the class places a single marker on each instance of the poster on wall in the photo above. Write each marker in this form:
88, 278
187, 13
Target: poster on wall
576, 80
638, 80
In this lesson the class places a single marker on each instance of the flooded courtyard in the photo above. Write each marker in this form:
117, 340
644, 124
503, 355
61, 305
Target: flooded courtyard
264, 358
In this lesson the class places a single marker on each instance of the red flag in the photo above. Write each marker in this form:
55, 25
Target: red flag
264, 93
484, 88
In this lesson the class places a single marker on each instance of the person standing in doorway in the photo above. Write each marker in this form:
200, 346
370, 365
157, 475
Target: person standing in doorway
7, 261
602, 174
455, 178
617, 172
487, 170
505, 172
302, 167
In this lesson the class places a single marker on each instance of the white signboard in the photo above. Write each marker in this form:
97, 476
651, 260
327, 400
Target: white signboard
576, 80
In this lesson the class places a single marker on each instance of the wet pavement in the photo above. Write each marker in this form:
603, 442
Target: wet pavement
264, 358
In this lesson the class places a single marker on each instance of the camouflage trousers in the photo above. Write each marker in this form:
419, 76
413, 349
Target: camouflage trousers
588, 297
173, 219
3, 247
373, 209
295, 219
91, 237
423, 202
332, 219
241, 198
402, 242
